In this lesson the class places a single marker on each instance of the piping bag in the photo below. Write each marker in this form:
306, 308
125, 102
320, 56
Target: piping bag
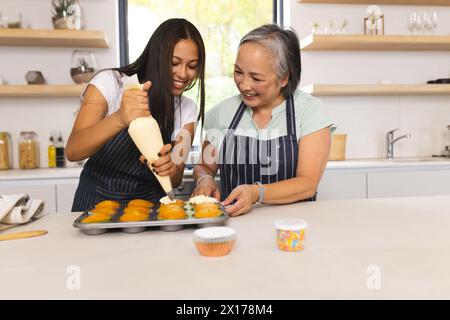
146, 135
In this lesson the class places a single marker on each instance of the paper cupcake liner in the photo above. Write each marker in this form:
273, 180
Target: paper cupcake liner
216, 240
214, 249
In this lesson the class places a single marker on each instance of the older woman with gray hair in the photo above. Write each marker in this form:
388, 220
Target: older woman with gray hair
271, 142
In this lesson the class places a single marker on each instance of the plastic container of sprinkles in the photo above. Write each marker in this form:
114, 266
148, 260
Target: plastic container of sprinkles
290, 234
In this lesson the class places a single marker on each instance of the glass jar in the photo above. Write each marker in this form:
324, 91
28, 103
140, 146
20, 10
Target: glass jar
5, 151
84, 65
28, 150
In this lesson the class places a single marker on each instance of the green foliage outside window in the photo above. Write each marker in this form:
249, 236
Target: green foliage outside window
222, 24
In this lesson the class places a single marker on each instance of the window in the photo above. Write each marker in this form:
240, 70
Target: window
222, 23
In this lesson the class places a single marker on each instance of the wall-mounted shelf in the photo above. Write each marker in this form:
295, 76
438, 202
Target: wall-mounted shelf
378, 42
40, 90
53, 38
394, 2
376, 89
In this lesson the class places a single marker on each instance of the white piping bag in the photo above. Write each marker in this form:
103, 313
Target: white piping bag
146, 135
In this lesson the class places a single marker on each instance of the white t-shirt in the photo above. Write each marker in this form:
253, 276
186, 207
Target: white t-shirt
109, 83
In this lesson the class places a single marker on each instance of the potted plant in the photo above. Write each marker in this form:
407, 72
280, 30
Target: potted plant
60, 13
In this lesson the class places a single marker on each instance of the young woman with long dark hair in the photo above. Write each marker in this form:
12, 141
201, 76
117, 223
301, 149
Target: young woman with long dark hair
172, 62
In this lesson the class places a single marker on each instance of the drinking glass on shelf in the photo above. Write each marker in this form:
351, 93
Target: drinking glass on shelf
427, 24
412, 23
329, 30
434, 21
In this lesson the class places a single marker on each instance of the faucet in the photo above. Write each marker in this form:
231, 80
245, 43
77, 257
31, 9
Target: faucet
390, 142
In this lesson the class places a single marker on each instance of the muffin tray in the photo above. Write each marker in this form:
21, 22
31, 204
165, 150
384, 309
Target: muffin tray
153, 221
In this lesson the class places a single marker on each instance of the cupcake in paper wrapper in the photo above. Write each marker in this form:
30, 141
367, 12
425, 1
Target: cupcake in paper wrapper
214, 241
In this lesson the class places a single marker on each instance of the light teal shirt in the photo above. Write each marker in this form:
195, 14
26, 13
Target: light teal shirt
310, 116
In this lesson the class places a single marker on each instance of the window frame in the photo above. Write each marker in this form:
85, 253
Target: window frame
278, 18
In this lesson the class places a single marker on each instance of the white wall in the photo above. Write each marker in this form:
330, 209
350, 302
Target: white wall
45, 114
366, 119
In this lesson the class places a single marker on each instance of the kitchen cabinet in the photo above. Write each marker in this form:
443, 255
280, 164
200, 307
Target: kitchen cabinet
337, 185
65, 192
341, 180
36, 189
408, 183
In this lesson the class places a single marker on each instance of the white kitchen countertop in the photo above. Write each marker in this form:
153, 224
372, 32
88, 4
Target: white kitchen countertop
352, 164
390, 248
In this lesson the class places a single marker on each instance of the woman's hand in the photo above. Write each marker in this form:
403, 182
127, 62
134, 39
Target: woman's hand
163, 166
134, 104
246, 195
207, 187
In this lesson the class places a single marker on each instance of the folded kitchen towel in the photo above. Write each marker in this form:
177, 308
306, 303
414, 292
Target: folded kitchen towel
19, 208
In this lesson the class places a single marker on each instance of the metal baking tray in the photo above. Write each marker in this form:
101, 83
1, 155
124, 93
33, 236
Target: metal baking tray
140, 226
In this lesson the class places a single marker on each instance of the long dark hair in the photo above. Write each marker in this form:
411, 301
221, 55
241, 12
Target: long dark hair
155, 64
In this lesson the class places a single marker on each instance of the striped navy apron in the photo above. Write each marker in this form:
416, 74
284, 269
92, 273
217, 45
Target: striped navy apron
246, 160
115, 173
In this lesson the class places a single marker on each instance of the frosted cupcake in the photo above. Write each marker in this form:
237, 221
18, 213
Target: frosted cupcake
214, 241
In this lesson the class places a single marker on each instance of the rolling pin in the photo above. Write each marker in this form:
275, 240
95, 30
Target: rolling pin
22, 235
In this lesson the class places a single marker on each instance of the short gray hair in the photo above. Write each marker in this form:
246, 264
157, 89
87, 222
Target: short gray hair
284, 46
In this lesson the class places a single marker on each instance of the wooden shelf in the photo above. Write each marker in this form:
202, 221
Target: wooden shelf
379, 42
40, 90
394, 2
376, 89
53, 38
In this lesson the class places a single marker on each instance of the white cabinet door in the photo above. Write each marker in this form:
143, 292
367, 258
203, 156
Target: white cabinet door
408, 183
35, 189
342, 185
65, 192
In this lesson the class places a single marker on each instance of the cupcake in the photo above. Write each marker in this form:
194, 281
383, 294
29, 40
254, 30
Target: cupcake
207, 210
103, 211
108, 204
166, 200
214, 241
134, 210
179, 202
96, 218
171, 211
133, 216
202, 199
140, 203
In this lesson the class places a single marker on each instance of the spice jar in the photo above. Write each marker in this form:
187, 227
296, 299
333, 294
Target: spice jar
5, 151
28, 150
